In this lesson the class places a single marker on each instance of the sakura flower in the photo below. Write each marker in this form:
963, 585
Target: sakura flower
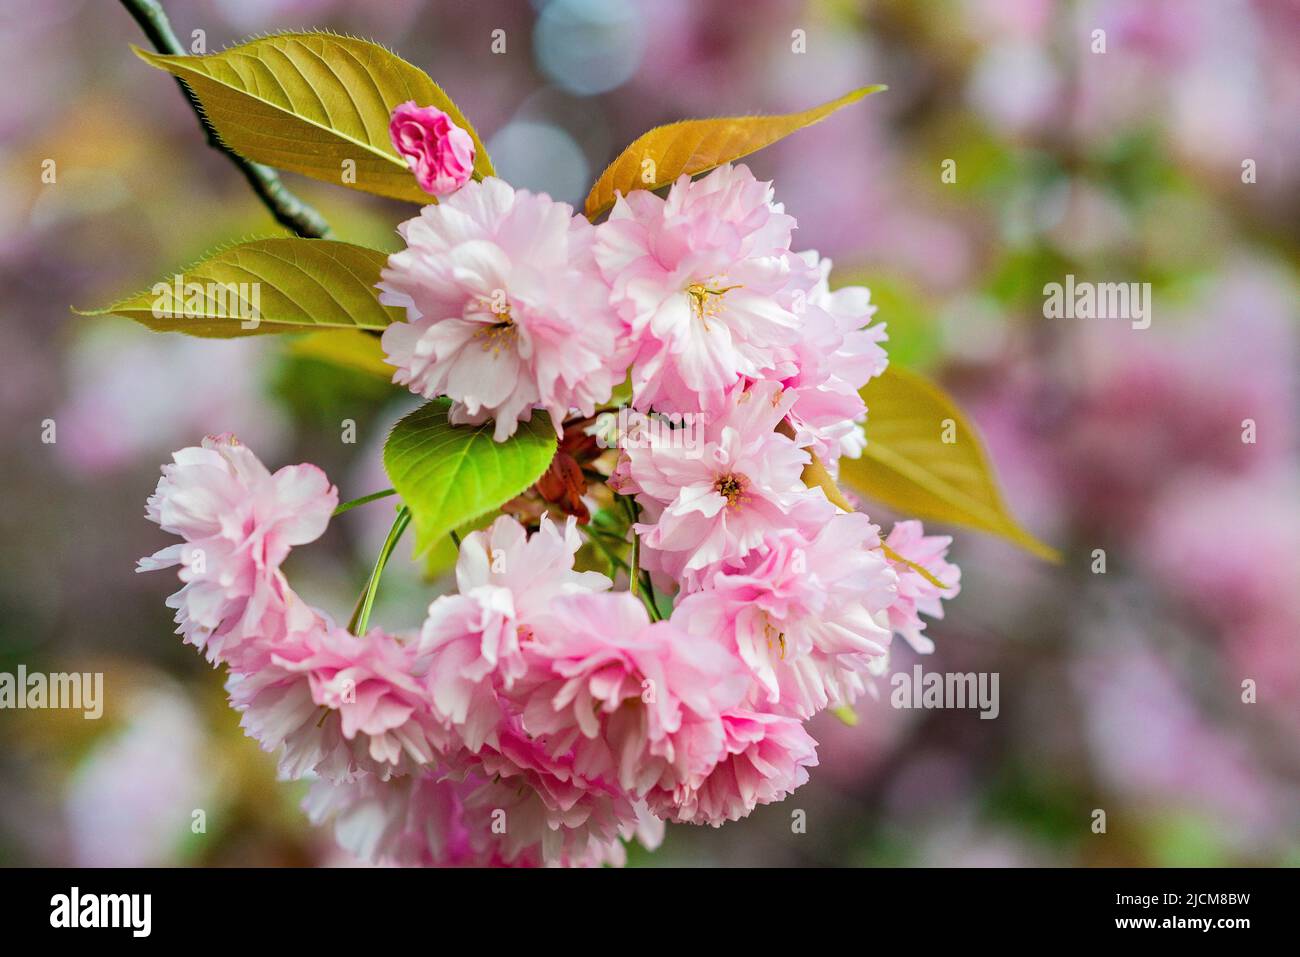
766, 758
806, 614
505, 312
433, 820
472, 642
719, 502
837, 354
439, 152
339, 705
916, 594
552, 811
705, 281
616, 691
239, 522
413, 821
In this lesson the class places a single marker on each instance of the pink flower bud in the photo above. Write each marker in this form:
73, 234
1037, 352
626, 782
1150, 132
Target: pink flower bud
438, 151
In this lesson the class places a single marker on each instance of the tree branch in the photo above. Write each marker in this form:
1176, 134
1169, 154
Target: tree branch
289, 211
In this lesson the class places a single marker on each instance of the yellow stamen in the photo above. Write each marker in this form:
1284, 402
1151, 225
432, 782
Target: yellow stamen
768, 629
498, 335
732, 488
704, 300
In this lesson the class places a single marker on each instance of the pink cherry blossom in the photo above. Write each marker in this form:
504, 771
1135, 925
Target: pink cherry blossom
704, 279
338, 705
615, 690
765, 758
806, 614
412, 821
472, 642
505, 311
837, 354
917, 595
239, 522
534, 696
432, 820
439, 152
548, 802
715, 504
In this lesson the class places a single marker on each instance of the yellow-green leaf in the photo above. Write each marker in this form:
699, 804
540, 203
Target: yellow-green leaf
908, 466
310, 102
815, 475
266, 286
360, 351
656, 158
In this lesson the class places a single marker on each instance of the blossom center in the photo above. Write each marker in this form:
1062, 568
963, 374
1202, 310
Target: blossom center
732, 487
500, 334
770, 632
706, 301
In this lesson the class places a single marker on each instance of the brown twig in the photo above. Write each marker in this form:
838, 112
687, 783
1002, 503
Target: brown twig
289, 211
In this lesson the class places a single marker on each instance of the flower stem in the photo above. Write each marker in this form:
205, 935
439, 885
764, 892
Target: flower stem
361, 617
289, 211
638, 578
373, 496
615, 561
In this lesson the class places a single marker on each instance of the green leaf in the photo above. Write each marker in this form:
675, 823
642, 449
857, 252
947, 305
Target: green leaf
907, 465
266, 286
656, 158
308, 102
450, 475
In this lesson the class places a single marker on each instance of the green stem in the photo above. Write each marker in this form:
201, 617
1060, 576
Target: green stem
289, 211
361, 617
639, 579
373, 496
615, 561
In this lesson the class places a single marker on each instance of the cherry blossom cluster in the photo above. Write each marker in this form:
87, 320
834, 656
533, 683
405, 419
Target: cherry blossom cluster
540, 715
